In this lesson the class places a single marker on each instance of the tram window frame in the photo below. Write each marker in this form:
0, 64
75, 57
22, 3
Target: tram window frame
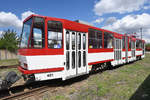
57, 29
107, 37
37, 23
95, 39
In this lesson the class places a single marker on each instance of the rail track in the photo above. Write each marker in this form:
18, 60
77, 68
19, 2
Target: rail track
11, 66
29, 90
35, 89
29, 93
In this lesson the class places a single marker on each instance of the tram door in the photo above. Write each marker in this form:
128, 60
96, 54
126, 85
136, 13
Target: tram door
126, 48
76, 53
132, 48
118, 50
81, 53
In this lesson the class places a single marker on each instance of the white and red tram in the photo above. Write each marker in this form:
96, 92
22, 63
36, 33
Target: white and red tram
52, 48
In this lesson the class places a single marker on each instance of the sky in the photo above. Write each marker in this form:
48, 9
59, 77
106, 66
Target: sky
122, 16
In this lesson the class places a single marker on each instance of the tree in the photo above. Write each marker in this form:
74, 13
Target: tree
9, 41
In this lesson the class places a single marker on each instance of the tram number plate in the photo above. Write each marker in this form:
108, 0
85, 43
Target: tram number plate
50, 75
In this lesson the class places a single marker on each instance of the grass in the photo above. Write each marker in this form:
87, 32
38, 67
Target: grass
121, 83
3, 72
58, 97
8, 62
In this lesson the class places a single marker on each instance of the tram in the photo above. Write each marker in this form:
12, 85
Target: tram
53, 48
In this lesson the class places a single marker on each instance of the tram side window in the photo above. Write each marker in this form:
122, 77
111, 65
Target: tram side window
129, 43
95, 38
108, 40
140, 44
91, 38
54, 34
123, 42
37, 37
143, 45
137, 44
99, 39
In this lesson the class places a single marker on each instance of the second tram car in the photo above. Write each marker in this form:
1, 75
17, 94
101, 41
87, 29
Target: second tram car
52, 48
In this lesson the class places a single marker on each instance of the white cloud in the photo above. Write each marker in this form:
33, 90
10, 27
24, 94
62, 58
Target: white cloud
118, 6
110, 20
99, 20
26, 14
8, 19
132, 23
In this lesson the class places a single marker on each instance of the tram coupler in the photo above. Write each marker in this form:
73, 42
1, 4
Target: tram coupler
7, 81
28, 78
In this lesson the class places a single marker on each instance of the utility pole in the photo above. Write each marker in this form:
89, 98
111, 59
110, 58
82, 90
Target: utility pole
141, 32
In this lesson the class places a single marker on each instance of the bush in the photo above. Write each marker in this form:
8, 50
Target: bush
9, 41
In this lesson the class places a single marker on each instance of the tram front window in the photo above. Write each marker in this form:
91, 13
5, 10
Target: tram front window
33, 35
25, 34
37, 39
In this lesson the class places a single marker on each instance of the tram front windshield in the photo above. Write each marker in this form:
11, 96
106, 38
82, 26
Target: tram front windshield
33, 34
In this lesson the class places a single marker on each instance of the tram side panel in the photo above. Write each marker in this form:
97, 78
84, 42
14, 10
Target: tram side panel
43, 67
138, 52
101, 57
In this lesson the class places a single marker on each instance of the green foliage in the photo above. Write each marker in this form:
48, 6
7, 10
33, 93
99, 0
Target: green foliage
9, 41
